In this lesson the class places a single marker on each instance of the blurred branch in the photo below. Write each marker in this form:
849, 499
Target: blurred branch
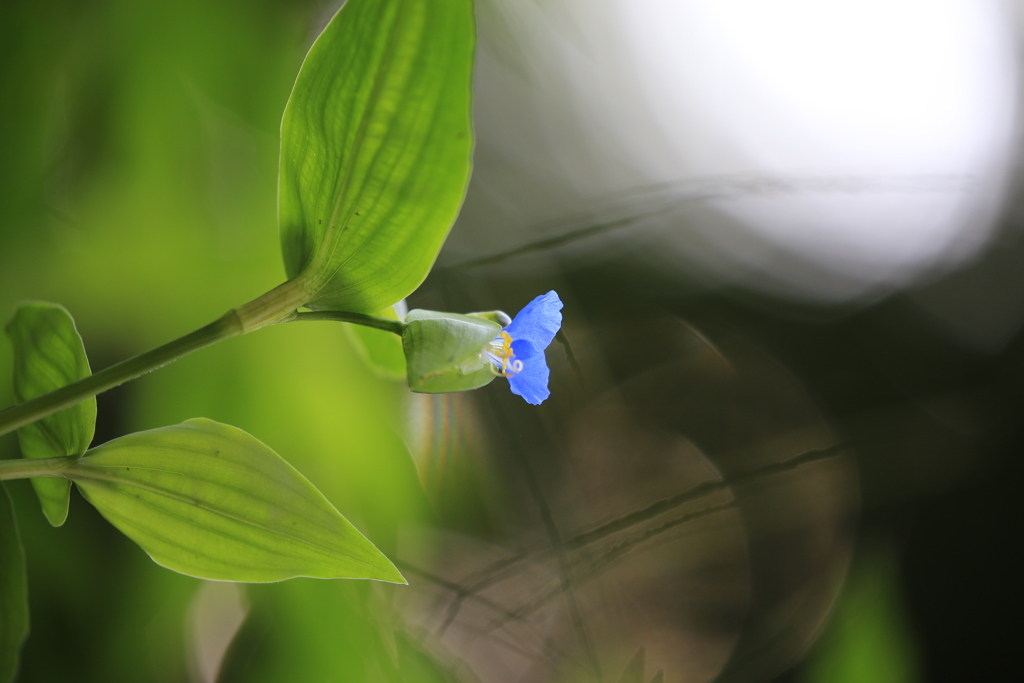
673, 195
557, 547
461, 592
570, 355
500, 568
592, 567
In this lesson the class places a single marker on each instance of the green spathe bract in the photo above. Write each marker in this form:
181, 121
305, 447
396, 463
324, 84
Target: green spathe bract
49, 354
211, 501
376, 142
13, 591
444, 351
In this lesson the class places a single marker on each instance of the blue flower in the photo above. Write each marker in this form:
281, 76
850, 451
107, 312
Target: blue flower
518, 352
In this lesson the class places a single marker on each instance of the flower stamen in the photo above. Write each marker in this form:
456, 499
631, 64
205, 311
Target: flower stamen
502, 356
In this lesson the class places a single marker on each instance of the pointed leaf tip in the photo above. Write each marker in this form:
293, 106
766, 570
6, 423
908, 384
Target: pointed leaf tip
208, 500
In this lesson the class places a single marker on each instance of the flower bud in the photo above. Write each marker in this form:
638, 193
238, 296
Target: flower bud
447, 351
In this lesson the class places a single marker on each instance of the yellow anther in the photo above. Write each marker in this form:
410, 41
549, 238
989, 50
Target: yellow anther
506, 346
504, 352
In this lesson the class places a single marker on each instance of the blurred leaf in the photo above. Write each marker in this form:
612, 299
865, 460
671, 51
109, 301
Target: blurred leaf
381, 350
293, 631
869, 639
13, 590
444, 351
48, 354
447, 438
375, 149
208, 500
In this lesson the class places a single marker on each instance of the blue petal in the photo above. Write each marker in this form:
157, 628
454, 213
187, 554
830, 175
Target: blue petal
538, 322
532, 382
522, 349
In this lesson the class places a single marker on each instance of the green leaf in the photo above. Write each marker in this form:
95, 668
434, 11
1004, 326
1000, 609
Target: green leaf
48, 354
208, 500
445, 351
381, 350
13, 591
376, 143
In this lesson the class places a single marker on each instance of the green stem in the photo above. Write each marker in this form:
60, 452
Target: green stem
34, 467
277, 305
386, 324
37, 408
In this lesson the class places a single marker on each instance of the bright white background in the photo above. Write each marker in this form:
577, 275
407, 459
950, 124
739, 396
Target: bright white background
836, 149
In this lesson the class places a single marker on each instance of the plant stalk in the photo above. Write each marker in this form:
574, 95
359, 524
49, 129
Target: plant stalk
277, 305
386, 324
25, 468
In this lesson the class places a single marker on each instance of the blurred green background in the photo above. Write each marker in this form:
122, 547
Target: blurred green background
139, 148
140, 145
